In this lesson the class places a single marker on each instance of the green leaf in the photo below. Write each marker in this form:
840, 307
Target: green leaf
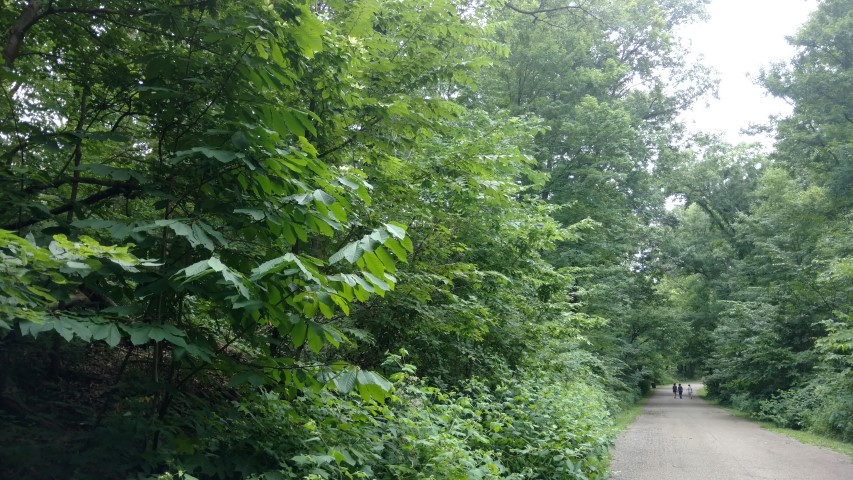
324, 197
237, 281
34, 328
138, 333
277, 56
253, 377
396, 229
261, 48
157, 334
293, 124
326, 305
364, 284
223, 156
194, 269
193, 233
345, 380
309, 306
341, 302
249, 305
298, 333
338, 211
386, 258
316, 338
362, 294
373, 263
117, 230
382, 285
397, 249
256, 215
216, 264
407, 244
351, 252
109, 333
333, 336
64, 329
309, 34
348, 183
201, 236
213, 233
377, 237
372, 386
83, 329
120, 174
272, 265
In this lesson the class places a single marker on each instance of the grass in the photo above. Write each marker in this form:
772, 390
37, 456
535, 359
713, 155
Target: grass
812, 439
628, 415
802, 436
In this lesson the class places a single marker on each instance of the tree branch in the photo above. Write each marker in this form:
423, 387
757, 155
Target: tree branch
715, 216
32, 14
116, 190
29, 16
83, 180
535, 13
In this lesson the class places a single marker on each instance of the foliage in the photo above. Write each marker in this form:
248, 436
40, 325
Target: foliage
513, 429
815, 140
218, 218
232, 143
763, 243
610, 126
38, 283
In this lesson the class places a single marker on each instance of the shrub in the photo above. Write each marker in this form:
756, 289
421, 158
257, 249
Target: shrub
791, 408
529, 428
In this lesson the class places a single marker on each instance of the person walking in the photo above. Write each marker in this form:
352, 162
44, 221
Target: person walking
674, 391
689, 392
680, 390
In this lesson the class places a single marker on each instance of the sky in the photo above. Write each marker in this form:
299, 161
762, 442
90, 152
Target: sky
741, 37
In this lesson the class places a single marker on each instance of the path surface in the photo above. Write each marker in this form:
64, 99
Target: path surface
692, 439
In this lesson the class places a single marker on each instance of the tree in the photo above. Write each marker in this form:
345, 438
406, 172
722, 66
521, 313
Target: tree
608, 81
815, 140
215, 139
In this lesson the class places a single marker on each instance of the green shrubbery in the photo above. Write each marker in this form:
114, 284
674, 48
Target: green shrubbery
822, 407
524, 428
791, 408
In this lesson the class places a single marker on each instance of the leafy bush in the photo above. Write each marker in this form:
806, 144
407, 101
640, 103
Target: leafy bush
791, 408
834, 416
528, 428
821, 406
545, 428
744, 402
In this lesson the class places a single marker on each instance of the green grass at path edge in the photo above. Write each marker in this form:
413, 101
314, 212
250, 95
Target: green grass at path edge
802, 436
627, 416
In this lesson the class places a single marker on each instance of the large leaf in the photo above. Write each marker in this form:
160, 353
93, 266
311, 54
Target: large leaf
372, 386
345, 380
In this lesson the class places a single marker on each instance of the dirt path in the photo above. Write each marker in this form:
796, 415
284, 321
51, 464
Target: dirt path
692, 439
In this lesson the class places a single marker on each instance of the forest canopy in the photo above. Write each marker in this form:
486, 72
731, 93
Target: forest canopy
276, 239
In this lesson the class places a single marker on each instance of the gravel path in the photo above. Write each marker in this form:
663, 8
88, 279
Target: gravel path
692, 439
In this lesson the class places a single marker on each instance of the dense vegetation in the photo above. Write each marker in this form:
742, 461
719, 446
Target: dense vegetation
400, 239
759, 260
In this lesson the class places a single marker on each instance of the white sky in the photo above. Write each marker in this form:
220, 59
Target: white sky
741, 37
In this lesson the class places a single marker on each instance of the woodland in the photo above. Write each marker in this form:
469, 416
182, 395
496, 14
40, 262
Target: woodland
444, 239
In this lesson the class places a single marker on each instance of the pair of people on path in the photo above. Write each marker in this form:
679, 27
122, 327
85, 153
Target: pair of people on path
679, 390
